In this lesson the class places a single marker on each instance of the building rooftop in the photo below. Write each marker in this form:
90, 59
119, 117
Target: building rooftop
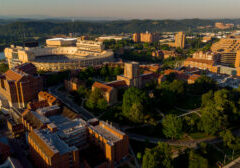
106, 134
54, 142
47, 96
117, 83
45, 110
103, 87
62, 39
209, 62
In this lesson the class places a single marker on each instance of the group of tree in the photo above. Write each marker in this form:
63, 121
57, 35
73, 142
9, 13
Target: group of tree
3, 67
135, 102
157, 157
96, 100
106, 73
202, 85
169, 92
110, 73
219, 109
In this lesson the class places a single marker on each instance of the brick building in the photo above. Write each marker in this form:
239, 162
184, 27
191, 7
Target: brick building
145, 37
20, 85
112, 141
73, 84
180, 75
164, 54
109, 92
59, 138
133, 77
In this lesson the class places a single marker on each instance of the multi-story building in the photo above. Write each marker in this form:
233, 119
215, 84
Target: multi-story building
220, 25
180, 75
180, 39
130, 78
110, 90
88, 45
145, 37
207, 56
227, 48
112, 141
136, 37
61, 42
164, 54
133, 78
73, 84
20, 85
59, 138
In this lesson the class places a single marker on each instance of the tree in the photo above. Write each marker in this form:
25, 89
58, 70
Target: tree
82, 90
136, 113
158, 157
94, 96
212, 120
3, 67
133, 104
204, 84
102, 104
177, 87
117, 71
229, 140
197, 161
227, 137
139, 156
172, 126
104, 71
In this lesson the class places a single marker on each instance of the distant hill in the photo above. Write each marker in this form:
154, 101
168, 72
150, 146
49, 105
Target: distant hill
31, 27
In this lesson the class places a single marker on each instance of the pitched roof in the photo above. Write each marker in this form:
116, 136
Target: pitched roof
117, 83
14, 75
103, 87
28, 68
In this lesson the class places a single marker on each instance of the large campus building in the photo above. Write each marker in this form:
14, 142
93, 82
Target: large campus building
145, 37
20, 85
180, 40
131, 78
60, 54
220, 25
211, 61
228, 48
59, 138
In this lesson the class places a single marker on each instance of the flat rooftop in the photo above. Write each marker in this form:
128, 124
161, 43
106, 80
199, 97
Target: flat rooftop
62, 39
106, 134
54, 142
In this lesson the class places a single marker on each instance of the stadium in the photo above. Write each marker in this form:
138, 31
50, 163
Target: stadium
60, 54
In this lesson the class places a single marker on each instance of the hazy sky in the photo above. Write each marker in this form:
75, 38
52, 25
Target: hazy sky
152, 9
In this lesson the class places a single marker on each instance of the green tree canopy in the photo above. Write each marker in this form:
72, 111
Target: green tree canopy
158, 157
197, 161
172, 126
133, 104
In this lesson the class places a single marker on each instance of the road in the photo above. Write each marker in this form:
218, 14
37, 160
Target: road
69, 103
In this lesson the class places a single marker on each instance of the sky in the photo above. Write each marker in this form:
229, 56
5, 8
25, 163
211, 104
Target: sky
123, 9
